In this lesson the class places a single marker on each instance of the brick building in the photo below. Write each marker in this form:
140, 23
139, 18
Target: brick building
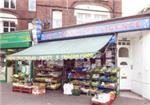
17, 14
60, 13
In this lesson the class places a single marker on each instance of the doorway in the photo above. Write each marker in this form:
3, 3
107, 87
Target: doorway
124, 63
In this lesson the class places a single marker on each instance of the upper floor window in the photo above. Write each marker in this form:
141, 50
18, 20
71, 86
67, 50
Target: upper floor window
9, 26
11, 4
57, 19
32, 5
88, 14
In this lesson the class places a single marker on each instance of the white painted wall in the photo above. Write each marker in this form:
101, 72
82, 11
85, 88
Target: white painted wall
137, 63
132, 7
146, 64
141, 64
1, 3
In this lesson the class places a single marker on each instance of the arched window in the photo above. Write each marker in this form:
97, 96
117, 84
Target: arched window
85, 16
123, 52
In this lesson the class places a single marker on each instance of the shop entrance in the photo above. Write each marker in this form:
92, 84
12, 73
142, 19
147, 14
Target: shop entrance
124, 63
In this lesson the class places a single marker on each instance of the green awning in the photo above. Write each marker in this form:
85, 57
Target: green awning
63, 49
15, 39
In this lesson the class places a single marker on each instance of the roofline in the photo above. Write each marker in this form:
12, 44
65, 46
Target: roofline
100, 22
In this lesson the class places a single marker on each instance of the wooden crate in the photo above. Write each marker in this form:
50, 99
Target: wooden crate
98, 103
22, 89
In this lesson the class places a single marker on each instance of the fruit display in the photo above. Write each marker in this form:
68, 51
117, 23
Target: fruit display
85, 83
76, 82
19, 77
93, 90
53, 86
38, 88
108, 85
79, 75
50, 74
85, 90
100, 79
95, 76
95, 83
104, 98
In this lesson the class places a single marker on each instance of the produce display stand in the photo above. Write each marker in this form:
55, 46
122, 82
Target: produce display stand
38, 89
35, 89
96, 102
22, 89
48, 73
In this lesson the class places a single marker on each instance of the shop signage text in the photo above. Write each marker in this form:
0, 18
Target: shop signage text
90, 30
15, 39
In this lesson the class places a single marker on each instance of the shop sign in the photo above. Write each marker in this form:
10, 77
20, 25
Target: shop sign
98, 29
13, 39
51, 57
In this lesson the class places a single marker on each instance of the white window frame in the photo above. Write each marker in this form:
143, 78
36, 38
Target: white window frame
32, 5
91, 18
57, 18
9, 27
9, 4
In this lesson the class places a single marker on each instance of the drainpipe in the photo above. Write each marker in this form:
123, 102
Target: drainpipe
113, 8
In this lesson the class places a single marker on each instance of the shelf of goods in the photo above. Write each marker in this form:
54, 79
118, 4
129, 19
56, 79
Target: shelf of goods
98, 80
105, 79
20, 83
50, 74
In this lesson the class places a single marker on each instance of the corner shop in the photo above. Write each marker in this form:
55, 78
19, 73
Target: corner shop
12, 42
131, 32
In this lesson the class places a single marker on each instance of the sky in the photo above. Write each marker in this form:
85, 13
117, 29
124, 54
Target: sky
132, 7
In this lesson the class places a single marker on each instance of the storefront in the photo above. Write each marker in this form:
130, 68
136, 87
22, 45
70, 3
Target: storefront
84, 41
11, 43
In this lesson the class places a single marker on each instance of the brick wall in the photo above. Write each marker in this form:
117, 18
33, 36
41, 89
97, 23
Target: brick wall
22, 13
45, 8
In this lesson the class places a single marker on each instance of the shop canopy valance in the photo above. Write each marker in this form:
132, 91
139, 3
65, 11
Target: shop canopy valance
63, 49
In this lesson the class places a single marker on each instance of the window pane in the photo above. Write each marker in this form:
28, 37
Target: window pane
12, 24
12, 29
6, 3
123, 52
83, 18
97, 17
13, 4
32, 5
5, 23
57, 19
5, 29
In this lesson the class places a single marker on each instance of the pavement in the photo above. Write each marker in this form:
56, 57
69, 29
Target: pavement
7, 97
